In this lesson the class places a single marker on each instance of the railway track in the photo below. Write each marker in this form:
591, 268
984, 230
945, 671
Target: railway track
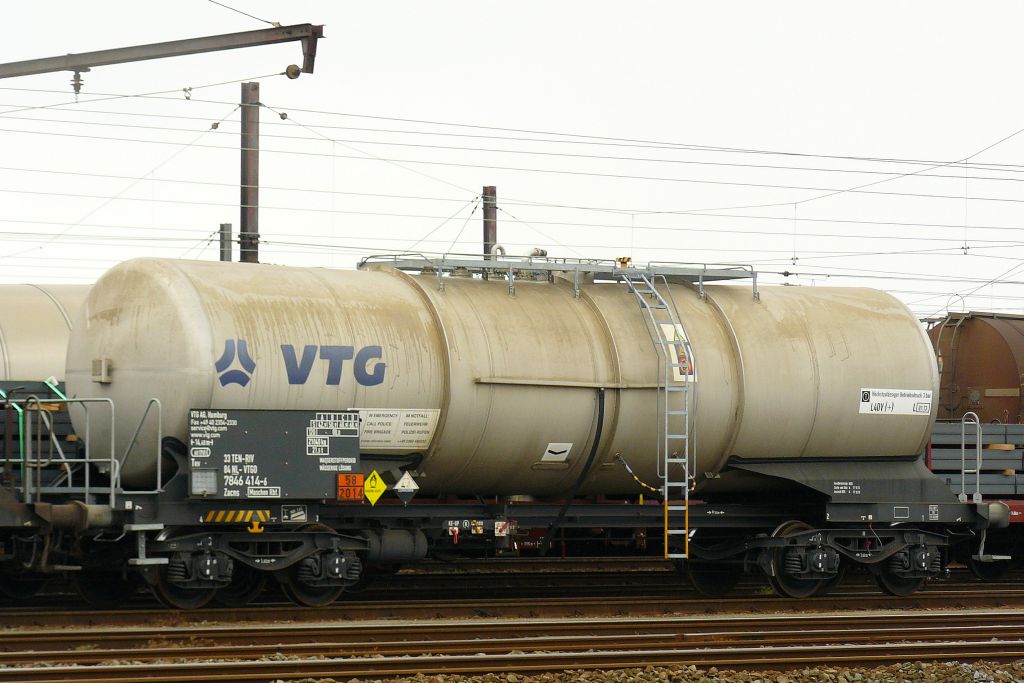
269, 651
752, 598
528, 578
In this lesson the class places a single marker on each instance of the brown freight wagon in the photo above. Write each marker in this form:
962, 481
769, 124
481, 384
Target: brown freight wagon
981, 365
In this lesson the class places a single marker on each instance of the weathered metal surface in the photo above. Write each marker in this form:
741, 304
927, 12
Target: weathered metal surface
306, 33
483, 384
249, 196
981, 356
35, 322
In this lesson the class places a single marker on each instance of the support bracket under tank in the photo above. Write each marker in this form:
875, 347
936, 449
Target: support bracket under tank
873, 490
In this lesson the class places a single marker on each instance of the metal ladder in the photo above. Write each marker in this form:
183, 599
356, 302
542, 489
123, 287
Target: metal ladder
967, 420
675, 430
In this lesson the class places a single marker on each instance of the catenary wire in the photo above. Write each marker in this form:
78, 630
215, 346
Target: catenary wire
566, 155
233, 9
583, 137
443, 223
127, 187
397, 164
1006, 168
977, 226
464, 224
533, 223
614, 176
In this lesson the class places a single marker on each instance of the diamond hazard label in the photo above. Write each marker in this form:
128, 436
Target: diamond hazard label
373, 487
406, 488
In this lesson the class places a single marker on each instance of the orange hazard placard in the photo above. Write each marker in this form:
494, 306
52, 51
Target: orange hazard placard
350, 487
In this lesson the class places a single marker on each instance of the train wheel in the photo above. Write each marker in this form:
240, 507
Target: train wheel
310, 596
105, 590
829, 585
20, 587
302, 593
713, 579
784, 584
246, 585
897, 585
176, 597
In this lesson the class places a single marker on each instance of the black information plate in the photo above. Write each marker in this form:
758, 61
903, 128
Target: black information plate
260, 454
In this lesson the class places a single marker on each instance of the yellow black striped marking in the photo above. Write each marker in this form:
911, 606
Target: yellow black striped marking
236, 516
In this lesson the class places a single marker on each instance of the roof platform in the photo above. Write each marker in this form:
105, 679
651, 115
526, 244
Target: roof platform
607, 270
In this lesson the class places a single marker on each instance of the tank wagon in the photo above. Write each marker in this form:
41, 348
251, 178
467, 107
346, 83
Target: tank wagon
981, 367
250, 422
35, 322
981, 361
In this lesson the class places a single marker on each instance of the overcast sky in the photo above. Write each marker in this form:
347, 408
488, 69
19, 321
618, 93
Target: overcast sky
667, 131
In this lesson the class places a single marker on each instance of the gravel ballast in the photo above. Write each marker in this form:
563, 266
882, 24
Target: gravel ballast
912, 672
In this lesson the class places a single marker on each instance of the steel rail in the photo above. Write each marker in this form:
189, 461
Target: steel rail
493, 640
990, 597
795, 627
776, 657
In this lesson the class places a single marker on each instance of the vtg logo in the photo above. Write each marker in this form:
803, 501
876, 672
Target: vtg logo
235, 348
299, 368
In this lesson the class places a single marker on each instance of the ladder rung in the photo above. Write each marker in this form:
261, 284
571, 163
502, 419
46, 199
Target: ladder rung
676, 459
676, 436
677, 412
676, 532
677, 556
677, 507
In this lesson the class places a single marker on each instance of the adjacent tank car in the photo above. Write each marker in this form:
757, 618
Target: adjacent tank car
981, 356
307, 426
981, 361
35, 322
